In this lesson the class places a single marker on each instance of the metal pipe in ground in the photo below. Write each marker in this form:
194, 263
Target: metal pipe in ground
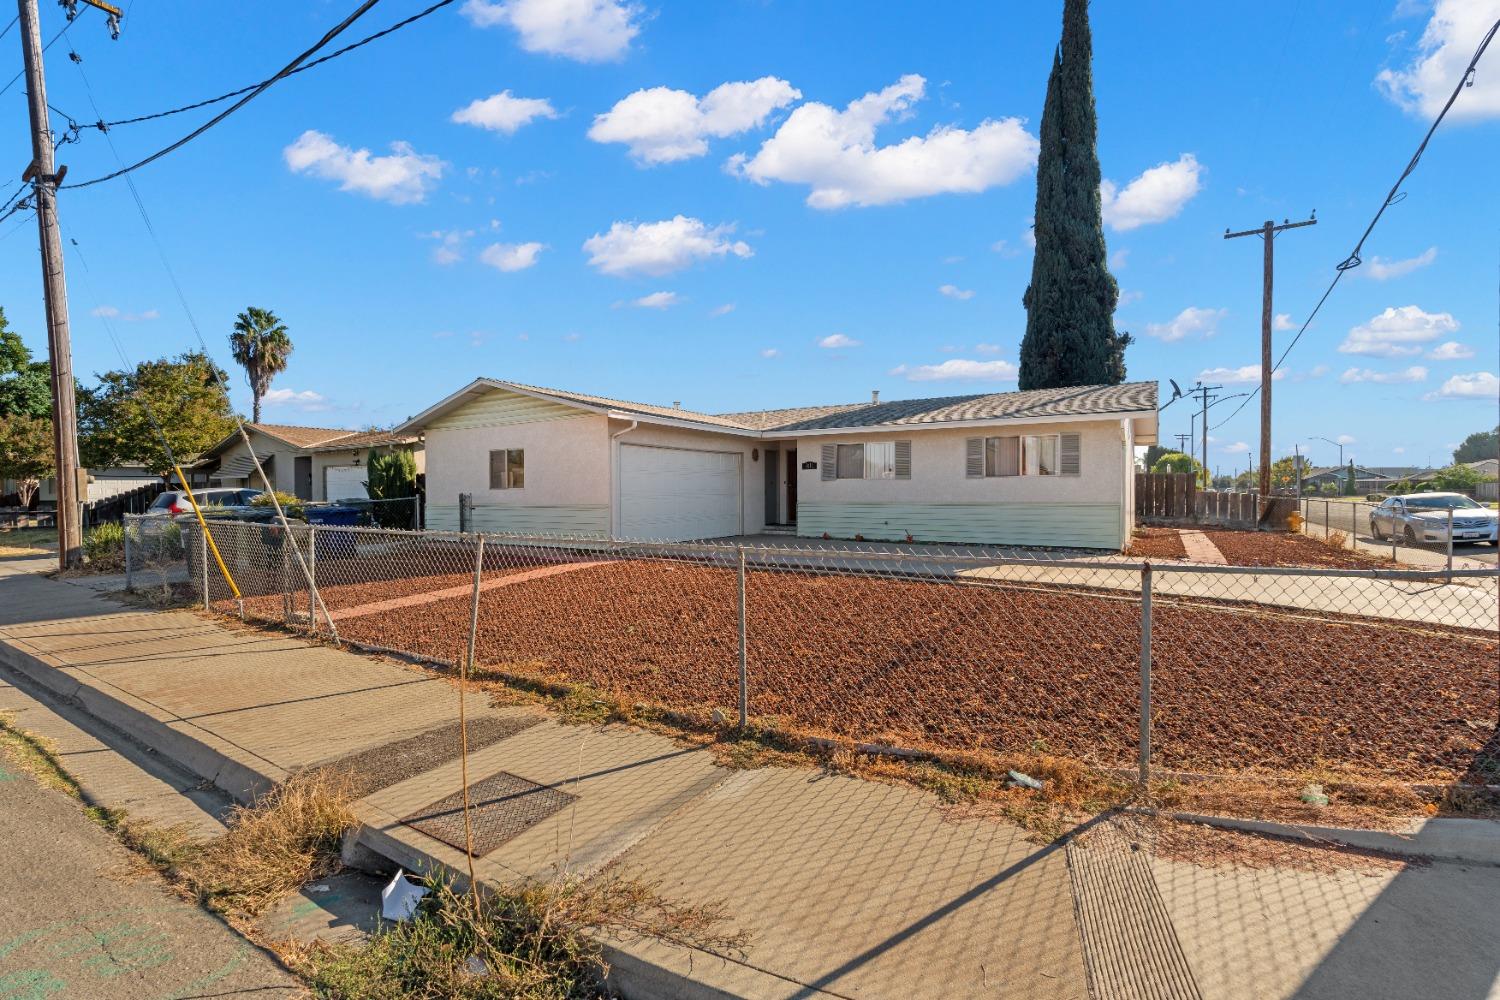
1450, 543
203, 562
312, 579
744, 652
465, 667
1145, 764
129, 562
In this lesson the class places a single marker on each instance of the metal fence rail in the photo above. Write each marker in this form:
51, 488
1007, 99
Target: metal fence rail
1375, 673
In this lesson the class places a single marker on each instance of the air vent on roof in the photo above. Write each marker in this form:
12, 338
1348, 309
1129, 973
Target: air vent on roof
874, 395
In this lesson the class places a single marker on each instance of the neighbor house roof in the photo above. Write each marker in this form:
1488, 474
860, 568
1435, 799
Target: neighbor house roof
364, 439
315, 438
1034, 404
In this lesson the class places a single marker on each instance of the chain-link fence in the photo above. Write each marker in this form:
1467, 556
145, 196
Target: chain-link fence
1380, 674
1416, 528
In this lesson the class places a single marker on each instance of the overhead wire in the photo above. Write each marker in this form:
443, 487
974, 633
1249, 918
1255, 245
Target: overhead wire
300, 69
260, 88
1394, 196
62, 31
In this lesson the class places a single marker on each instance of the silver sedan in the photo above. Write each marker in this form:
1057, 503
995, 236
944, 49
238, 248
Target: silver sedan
1423, 517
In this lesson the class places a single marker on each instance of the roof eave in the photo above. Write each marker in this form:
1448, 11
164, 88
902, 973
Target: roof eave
933, 425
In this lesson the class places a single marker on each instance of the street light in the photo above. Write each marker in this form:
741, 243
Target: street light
1336, 444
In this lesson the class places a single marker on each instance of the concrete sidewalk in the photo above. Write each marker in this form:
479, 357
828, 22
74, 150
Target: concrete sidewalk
846, 888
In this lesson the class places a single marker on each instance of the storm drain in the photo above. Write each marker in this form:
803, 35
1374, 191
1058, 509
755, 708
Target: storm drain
501, 806
392, 763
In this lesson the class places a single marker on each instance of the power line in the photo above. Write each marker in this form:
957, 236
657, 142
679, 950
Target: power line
300, 69
259, 89
55, 37
12, 24
1353, 260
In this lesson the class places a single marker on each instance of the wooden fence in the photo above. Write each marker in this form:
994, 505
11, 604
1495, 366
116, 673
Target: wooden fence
115, 508
1174, 498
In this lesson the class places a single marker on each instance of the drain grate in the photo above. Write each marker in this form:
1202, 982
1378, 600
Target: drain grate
501, 806
392, 763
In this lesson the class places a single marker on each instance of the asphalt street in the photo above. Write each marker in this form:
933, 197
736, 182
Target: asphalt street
80, 918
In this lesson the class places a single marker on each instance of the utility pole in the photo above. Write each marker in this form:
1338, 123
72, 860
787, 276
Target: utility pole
1203, 391
1182, 441
1267, 233
55, 291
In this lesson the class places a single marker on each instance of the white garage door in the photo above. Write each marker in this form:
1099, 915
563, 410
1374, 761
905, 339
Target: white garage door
345, 482
673, 494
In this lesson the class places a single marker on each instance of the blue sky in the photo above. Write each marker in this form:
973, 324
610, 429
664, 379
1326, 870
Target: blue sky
850, 213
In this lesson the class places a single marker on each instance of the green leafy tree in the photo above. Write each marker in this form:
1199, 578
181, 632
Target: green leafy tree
25, 384
1154, 453
1176, 461
1456, 479
25, 453
261, 347
114, 417
1070, 304
1350, 486
392, 476
1478, 446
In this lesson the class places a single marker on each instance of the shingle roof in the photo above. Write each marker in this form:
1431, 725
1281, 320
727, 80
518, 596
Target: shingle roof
626, 406
302, 437
1070, 401
364, 439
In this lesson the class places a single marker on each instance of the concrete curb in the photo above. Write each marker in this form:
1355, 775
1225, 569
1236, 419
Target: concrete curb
644, 968
1443, 838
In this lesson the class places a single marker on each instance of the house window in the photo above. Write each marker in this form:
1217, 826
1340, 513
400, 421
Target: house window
1022, 455
880, 460
508, 469
851, 461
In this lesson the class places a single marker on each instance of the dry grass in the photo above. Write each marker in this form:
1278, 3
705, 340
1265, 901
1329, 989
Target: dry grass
1214, 847
35, 755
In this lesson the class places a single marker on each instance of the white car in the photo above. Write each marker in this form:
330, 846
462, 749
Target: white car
1423, 517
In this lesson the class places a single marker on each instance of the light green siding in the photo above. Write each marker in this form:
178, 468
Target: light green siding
500, 408
1083, 525
587, 521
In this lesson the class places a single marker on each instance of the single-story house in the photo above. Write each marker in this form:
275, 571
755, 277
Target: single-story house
1043, 467
1367, 479
103, 484
311, 463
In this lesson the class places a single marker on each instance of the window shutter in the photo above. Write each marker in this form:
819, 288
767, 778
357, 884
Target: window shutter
903, 459
497, 470
830, 464
974, 458
1068, 455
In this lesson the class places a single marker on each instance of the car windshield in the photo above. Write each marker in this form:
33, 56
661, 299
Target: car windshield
1442, 503
163, 501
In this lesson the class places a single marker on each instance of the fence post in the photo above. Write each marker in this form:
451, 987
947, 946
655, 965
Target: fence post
1450, 544
203, 561
744, 652
1145, 772
312, 579
1354, 526
129, 567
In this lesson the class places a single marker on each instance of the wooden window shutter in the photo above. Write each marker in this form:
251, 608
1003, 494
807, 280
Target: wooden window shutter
974, 458
903, 459
1068, 455
829, 467
497, 470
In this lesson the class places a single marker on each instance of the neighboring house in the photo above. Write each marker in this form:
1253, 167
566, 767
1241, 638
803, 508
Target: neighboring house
1366, 479
103, 483
311, 463
1487, 488
1045, 467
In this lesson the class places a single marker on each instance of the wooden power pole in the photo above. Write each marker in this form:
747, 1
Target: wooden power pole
1267, 233
55, 291
1203, 391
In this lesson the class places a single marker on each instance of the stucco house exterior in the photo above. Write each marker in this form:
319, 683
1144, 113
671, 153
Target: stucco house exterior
1046, 467
311, 463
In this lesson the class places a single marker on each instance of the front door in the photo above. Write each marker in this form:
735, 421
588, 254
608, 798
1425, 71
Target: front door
791, 486
302, 467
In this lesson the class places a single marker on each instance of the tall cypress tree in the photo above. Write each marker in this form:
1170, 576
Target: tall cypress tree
1070, 303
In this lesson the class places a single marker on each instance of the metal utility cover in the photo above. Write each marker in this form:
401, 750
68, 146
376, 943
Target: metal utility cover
501, 806
391, 763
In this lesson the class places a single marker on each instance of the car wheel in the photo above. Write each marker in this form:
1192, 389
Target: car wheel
1375, 532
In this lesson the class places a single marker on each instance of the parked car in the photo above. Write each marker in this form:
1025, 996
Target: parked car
1423, 517
174, 502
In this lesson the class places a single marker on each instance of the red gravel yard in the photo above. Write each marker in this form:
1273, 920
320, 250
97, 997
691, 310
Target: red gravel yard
983, 666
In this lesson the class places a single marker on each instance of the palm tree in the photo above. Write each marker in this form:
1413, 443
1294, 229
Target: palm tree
261, 347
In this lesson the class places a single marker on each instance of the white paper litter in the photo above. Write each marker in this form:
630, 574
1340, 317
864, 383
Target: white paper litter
398, 901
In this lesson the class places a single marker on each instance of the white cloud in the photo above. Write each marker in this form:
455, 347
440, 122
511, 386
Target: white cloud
1004, 249
505, 113
1345, 439
834, 341
954, 292
585, 30
959, 370
723, 310
657, 300
661, 125
1128, 296
401, 178
987, 348
1398, 332
658, 248
139, 317
1451, 350
304, 400
770, 352
1424, 84
450, 244
1476, 385
1283, 321
1383, 269
1237, 448
834, 152
511, 256
1156, 195
1119, 259
1416, 373
1243, 375
104, 312
1191, 321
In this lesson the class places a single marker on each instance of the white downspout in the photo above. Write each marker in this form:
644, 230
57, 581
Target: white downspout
614, 486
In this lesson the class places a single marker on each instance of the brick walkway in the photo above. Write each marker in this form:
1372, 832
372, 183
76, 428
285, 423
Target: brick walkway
1200, 549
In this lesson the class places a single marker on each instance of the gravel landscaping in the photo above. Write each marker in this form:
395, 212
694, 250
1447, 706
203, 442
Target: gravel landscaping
1156, 543
1274, 548
983, 668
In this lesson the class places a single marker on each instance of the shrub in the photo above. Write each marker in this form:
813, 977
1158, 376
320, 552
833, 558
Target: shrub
290, 504
392, 477
104, 545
